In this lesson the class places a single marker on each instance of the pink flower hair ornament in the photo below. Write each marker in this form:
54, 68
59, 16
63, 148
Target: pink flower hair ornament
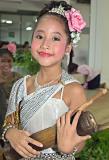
75, 20
76, 24
11, 48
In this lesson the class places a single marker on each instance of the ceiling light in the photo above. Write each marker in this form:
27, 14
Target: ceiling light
9, 21
3, 21
36, 20
28, 28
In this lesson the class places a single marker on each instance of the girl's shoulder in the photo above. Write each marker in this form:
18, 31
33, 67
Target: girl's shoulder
75, 94
74, 88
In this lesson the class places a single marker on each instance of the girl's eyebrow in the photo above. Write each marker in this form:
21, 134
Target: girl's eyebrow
58, 33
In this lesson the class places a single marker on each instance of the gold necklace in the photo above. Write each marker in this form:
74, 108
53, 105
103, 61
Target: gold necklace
37, 85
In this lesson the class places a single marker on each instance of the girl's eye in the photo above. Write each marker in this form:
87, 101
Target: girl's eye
39, 36
56, 38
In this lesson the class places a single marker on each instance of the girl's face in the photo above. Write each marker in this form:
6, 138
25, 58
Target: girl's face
49, 42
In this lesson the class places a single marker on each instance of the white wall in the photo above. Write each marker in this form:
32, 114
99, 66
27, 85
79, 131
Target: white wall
105, 41
82, 50
99, 35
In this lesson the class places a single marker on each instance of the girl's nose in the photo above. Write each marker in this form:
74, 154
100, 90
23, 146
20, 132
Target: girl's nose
45, 44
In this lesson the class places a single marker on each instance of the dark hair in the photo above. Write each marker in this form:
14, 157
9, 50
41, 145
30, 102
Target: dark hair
55, 4
26, 43
72, 67
5, 51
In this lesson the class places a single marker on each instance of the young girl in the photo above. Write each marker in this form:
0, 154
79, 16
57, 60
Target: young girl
45, 97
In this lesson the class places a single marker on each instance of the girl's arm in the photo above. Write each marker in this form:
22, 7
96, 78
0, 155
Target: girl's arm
68, 138
77, 96
19, 139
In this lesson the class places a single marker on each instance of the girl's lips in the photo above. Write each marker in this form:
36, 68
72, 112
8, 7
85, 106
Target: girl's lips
44, 54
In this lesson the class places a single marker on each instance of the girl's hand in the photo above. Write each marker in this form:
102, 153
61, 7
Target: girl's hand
20, 140
67, 137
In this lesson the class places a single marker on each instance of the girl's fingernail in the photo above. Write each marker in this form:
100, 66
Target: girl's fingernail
41, 145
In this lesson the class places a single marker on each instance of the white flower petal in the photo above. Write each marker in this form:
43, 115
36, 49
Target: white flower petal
73, 35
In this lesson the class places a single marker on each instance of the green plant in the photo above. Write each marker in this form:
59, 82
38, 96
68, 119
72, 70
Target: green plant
23, 59
97, 148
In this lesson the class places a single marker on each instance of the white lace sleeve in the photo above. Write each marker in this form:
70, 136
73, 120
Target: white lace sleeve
16, 96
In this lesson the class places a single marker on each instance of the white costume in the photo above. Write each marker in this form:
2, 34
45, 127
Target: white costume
39, 110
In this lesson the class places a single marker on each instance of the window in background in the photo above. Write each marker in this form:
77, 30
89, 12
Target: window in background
28, 23
10, 28
17, 28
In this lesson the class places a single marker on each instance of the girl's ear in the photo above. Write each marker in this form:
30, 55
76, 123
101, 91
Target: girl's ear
68, 48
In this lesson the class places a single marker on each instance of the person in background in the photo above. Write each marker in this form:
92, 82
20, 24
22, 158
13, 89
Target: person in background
3, 44
26, 46
50, 96
91, 76
7, 75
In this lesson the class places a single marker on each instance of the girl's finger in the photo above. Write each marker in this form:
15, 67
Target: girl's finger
32, 151
76, 118
62, 120
84, 138
58, 123
23, 152
34, 142
68, 116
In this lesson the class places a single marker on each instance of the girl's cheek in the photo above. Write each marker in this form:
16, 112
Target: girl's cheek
34, 44
61, 50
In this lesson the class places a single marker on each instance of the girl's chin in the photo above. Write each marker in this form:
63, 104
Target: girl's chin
48, 62
45, 63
